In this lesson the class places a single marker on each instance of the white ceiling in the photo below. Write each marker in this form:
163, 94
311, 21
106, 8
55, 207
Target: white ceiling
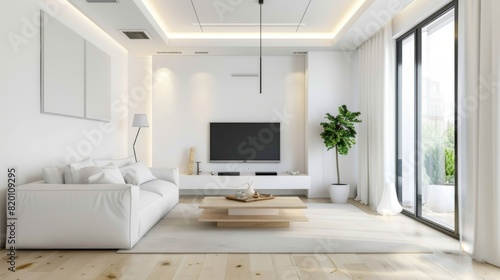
231, 27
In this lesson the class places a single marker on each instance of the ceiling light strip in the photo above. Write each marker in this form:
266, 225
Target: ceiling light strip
197, 18
244, 75
303, 15
247, 24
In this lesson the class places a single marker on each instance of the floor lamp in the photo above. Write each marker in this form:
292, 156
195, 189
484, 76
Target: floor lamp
140, 120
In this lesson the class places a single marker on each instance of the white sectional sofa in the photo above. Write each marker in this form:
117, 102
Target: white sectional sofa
93, 216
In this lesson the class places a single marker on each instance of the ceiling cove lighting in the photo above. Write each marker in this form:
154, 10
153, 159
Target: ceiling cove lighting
153, 15
261, 2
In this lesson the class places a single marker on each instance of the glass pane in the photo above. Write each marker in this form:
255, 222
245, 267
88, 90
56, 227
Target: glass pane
437, 113
407, 125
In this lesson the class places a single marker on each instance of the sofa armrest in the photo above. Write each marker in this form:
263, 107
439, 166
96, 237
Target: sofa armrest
167, 174
70, 216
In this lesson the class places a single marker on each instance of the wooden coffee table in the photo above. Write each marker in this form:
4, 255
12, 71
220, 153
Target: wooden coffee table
277, 212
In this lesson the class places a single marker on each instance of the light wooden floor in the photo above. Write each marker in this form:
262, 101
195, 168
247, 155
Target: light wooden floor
106, 264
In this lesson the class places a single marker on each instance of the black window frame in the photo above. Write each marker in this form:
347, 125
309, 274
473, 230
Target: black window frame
417, 32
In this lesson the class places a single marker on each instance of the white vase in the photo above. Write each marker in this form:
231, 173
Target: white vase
339, 193
249, 192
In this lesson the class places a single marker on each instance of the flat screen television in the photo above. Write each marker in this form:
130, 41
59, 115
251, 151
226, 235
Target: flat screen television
245, 142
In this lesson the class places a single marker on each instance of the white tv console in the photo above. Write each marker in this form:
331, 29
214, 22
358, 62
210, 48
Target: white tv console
207, 183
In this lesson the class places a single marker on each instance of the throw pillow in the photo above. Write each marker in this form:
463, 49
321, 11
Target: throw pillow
118, 162
53, 175
80, 176
105, 178
113, 171
137, 174
71, 175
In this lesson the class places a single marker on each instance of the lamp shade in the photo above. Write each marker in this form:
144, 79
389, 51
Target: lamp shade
140, 120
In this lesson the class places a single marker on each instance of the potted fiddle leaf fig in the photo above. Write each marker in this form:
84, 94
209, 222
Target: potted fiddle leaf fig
339, 133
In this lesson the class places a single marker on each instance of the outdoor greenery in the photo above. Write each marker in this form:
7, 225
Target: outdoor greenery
339, 133
439, 155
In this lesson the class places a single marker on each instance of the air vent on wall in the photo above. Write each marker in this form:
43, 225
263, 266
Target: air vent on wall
136, 34
201, 52
300, 53
102, 1
169, 52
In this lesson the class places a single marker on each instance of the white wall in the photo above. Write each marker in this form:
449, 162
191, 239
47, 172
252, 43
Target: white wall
190, 92
330, 84
30, 140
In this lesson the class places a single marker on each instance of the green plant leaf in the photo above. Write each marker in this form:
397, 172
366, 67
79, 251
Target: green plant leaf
340, 132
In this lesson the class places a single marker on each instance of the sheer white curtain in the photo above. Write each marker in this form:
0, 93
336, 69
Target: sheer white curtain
376, 134
479, 128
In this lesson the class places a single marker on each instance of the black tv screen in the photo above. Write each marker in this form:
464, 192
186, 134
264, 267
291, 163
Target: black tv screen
245, 142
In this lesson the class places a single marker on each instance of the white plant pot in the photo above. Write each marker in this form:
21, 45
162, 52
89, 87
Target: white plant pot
339, 193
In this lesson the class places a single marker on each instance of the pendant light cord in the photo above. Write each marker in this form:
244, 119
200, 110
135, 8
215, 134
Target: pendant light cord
260, 50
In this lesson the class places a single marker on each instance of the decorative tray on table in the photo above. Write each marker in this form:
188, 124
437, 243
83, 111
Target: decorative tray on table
256, 197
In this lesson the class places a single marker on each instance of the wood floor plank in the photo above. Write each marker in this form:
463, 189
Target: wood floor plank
53, 262
284, 268
214, 267
89, 271
380, 267
261, 267
403, 263
457, 267
361, 271
190, 267
339, 262
317, 266
113, 271
430, 268
238, 267
137, 272
167, 265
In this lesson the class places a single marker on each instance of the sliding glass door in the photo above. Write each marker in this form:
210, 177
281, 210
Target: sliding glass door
426, 153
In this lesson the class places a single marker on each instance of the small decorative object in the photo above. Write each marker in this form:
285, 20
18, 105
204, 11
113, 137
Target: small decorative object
261, 196
240, 195
190, 169
212, 173
340, 133
198, 171
250, 191
293, 172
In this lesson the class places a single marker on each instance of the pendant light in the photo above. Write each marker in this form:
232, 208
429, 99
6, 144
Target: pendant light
260, 44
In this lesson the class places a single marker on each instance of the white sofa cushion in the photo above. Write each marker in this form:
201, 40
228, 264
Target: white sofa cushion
159, 187
137, 174
122, 162
146, 198
53, 175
